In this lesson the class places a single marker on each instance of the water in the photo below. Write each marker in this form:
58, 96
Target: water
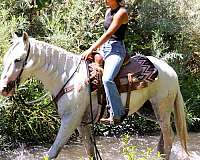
110, 148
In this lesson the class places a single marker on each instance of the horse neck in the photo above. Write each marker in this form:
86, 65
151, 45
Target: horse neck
51, 65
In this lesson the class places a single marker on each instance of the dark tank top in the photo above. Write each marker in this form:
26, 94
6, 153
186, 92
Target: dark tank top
120, 33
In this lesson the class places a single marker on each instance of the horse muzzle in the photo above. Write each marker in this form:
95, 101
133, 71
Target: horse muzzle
7, 89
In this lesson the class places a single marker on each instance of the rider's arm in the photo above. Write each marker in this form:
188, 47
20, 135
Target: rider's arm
121, 17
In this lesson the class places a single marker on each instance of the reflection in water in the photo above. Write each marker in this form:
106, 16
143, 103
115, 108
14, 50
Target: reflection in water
110, 148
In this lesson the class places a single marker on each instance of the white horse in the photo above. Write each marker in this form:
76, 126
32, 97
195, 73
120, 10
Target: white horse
54, 67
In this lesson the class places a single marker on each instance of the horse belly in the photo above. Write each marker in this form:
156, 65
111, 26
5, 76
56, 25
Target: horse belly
137, 99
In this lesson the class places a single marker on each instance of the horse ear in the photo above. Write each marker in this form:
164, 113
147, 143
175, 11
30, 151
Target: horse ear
25, 37
14, 37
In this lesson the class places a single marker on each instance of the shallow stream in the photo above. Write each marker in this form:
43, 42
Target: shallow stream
110, 149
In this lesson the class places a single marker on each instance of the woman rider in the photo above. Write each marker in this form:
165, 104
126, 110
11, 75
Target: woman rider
113, 51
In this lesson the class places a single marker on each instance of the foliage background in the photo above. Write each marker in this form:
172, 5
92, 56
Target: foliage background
166, 29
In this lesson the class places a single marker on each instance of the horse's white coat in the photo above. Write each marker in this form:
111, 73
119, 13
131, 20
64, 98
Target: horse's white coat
53, 66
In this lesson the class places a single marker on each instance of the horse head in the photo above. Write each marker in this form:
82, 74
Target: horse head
14, 62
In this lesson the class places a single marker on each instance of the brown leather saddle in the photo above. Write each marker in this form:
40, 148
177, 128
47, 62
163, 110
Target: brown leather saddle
136, 73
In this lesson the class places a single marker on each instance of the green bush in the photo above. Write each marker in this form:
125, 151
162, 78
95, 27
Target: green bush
24, 120
75, 26
166, 29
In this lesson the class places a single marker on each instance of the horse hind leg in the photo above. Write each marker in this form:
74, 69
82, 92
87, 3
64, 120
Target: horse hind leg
160, 147
163, 114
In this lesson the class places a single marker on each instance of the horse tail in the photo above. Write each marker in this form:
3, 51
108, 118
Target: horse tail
180, 120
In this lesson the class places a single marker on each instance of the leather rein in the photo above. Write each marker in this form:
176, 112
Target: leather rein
16, 82
65, 89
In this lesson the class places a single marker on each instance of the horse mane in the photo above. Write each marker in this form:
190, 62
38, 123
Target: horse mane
53, 55
52, 46
49, 62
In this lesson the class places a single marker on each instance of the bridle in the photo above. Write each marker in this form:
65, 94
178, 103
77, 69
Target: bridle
23, 65
16, 82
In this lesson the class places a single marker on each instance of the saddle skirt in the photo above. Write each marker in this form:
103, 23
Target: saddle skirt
136, 73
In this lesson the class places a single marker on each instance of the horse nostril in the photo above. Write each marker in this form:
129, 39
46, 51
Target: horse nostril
5, 89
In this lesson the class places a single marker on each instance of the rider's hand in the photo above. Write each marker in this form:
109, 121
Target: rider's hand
87, 53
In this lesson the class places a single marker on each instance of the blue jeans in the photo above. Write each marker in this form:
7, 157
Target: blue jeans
114, 53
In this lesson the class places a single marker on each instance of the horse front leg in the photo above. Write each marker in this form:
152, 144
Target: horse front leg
85, 132
68, 125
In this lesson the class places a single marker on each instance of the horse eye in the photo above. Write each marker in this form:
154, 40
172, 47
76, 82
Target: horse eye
17, 60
